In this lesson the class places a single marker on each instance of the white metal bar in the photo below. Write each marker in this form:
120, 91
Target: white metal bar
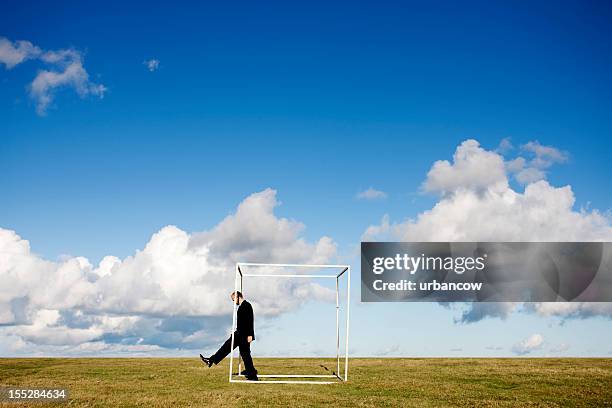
337, 327
241, 291
348, 308
292, 376
291, 265
283, 382
289, 276
233, 327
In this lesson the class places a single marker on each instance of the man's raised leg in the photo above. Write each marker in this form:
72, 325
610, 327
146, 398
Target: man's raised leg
224, 350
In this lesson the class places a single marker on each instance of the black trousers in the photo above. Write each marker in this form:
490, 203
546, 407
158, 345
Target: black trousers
245, 352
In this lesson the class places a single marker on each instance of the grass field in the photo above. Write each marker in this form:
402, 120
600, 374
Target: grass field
165, 382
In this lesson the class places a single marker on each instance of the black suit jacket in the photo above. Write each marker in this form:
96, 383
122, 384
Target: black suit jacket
245, 326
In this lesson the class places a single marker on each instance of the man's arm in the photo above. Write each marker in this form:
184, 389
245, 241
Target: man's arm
249, 323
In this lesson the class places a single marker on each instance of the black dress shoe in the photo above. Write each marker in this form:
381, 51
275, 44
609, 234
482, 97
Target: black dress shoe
206, 361
252, 377
246, 373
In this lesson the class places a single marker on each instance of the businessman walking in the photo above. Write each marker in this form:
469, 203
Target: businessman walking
243, 336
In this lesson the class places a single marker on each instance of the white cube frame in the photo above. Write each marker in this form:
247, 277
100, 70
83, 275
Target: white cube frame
284, 378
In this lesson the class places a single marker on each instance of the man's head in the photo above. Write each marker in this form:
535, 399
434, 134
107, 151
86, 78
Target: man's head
237, 297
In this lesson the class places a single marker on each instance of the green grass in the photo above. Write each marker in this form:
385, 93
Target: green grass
165, 382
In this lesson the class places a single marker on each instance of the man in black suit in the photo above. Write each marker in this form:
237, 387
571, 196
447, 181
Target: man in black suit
243, 336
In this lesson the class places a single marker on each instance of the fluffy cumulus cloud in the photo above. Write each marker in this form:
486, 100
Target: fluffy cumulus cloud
478, 203
171, 294
528, 345
371, 194
473, 170
62, 68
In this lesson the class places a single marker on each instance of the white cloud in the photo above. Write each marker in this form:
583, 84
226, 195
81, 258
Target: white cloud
560, 348
12, 54
478, 204
473, 169
371, 194
68, 72
574, 310
172, 293
152, 64
481, 310
529, 175
483, 207
530, 344
544, 156
505, 145
64, 69
541, 158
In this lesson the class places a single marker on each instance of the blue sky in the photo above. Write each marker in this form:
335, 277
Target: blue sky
318, 101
